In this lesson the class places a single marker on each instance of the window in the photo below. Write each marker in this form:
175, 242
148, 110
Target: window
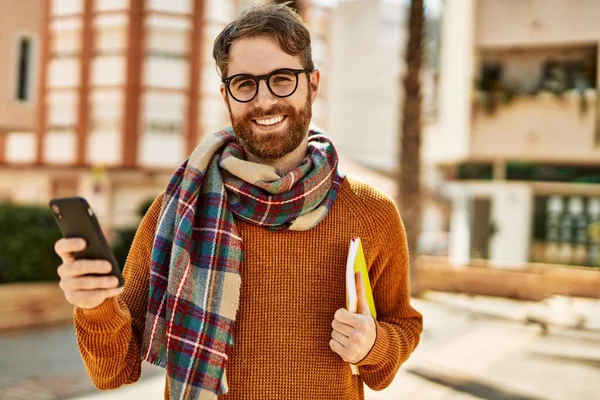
24, 61
163, 113
566, 230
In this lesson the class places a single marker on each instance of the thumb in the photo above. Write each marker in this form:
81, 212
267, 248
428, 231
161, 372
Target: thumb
363, 304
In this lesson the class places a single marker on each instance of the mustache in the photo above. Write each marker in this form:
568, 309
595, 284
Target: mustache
260, 112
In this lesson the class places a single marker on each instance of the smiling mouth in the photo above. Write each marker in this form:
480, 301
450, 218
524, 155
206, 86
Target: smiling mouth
270, 122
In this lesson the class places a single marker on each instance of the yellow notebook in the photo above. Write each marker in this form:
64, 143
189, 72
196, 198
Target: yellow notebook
356, 263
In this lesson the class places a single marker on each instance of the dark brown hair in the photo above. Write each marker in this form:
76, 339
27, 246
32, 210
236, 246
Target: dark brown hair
276, 21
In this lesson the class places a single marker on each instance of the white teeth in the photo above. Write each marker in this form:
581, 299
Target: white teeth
269, 121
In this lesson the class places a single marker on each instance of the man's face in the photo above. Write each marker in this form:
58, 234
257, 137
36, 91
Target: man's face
269, 127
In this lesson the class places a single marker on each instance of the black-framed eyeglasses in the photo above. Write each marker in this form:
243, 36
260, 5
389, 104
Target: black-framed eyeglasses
281, 82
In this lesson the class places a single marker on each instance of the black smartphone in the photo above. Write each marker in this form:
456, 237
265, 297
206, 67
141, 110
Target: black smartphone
76, 219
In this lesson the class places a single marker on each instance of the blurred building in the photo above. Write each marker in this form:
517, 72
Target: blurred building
107, 97
368, 40
518, 135
20, 41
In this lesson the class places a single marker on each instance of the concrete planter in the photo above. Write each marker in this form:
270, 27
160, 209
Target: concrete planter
32, 305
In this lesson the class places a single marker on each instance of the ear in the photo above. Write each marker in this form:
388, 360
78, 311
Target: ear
223, 91
315, 81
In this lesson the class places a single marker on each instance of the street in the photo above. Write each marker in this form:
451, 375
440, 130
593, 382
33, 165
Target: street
462, 355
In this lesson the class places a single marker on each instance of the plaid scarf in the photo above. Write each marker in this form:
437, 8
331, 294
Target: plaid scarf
197, 251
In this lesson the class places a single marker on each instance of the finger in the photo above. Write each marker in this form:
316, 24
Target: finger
92, 298
363, 303
89, 283
345, 317
338, 348
344, 329
84, 267
65, 247
340, 338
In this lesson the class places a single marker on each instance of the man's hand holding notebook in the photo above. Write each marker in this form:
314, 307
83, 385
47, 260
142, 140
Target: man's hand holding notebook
354, 330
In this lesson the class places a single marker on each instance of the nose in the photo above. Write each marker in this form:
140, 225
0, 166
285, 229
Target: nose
264, 97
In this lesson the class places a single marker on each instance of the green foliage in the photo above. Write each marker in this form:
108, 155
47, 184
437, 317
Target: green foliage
27, 237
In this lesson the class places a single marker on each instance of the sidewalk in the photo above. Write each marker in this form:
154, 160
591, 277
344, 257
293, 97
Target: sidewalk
471, 348
45, 364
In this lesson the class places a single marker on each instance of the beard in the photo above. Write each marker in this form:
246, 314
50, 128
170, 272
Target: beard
273, 145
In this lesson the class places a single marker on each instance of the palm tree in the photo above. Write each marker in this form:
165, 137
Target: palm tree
409, 170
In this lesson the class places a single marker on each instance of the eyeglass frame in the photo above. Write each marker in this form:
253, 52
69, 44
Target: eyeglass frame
266, 78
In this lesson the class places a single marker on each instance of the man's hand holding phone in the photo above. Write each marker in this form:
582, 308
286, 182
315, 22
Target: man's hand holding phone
81, 289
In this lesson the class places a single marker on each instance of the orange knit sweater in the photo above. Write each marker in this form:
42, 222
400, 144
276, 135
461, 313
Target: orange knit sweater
292, 284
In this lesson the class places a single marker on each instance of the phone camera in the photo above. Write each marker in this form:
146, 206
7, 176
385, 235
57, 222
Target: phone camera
56, 210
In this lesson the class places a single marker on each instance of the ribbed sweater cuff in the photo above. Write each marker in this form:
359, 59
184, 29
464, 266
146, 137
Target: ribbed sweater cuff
107, 316
379, 351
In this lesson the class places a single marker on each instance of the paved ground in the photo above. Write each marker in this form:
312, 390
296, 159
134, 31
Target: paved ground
465, 353
44, 365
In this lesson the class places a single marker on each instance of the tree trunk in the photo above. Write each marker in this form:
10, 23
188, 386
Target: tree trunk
409, 174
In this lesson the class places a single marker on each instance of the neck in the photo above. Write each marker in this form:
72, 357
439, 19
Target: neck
286, 163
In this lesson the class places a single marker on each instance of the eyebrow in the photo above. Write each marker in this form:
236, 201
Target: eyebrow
265, 73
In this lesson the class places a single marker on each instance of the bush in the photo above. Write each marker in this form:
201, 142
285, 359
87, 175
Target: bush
27, 237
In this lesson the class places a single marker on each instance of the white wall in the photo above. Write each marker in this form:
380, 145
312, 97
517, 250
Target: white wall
535, 22
449, 139
365, 76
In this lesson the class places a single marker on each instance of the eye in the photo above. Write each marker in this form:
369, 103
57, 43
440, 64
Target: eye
282, 78
243, 83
